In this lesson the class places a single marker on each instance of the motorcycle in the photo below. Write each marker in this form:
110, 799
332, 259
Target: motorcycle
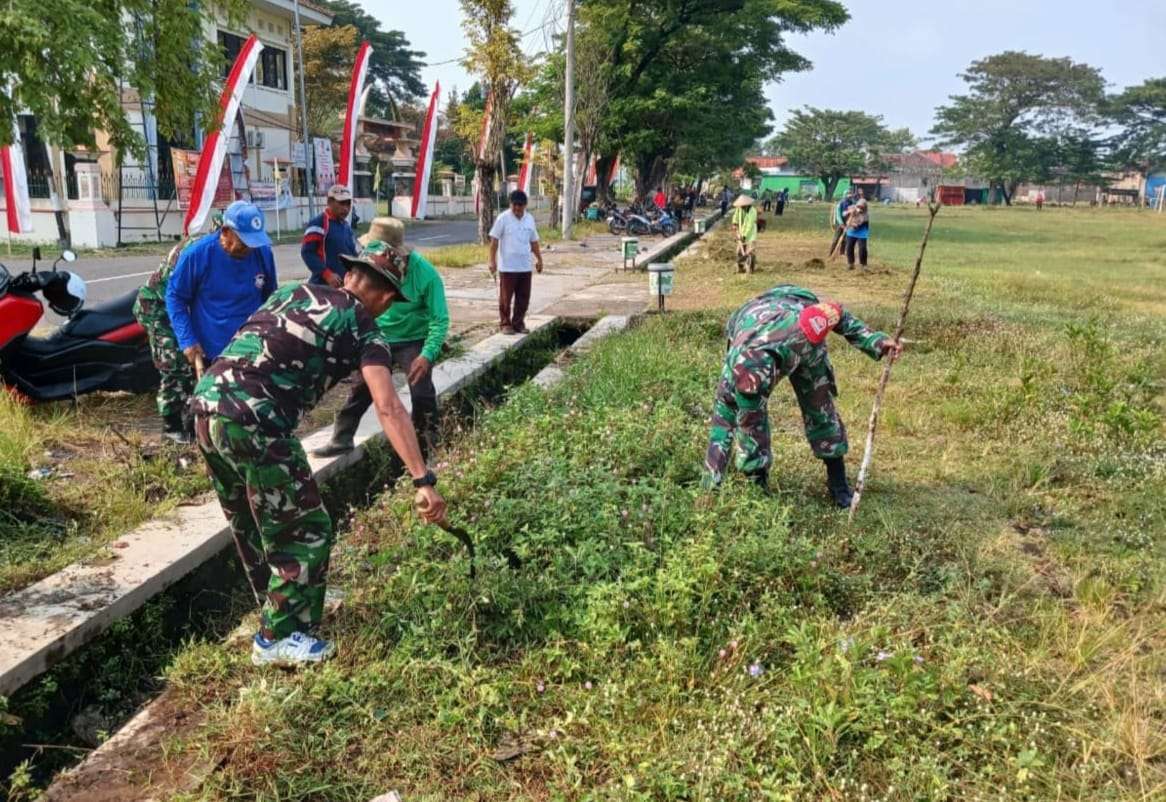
101, 347
642, 225
617, 221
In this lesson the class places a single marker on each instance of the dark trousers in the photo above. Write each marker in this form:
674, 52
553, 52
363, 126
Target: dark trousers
780, 207
850, 245
513, 288
423, 395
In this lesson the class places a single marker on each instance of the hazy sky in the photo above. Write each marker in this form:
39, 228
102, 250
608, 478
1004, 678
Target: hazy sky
897, 58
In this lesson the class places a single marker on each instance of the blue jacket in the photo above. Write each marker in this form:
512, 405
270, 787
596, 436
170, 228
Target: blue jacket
325, 239
211, 294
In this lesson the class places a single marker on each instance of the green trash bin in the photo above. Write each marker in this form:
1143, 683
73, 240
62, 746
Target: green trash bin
631, 249
592, 213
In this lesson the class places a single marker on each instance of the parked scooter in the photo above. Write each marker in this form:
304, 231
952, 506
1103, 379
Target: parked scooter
617, 221
97, 348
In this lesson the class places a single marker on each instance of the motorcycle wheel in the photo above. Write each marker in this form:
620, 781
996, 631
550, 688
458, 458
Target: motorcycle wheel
616, 226
668, 229
638, 228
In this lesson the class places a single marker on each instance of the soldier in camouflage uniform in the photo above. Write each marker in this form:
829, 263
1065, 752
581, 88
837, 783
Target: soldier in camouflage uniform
301, 342
177, 375
782, 333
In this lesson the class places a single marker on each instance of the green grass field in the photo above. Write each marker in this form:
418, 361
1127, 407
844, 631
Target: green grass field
990, 628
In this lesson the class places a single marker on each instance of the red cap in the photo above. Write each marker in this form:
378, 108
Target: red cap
816, 321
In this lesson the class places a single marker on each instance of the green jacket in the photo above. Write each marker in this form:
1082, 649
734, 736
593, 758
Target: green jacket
425, 316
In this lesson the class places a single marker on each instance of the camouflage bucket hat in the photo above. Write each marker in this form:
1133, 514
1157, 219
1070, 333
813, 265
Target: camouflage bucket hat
393, 269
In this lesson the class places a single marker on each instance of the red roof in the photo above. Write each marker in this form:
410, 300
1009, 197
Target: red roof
940, 158
768, 161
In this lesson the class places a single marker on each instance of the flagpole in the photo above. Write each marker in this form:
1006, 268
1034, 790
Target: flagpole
309, 154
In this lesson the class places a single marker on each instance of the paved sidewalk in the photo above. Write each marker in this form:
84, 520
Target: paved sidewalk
571, 271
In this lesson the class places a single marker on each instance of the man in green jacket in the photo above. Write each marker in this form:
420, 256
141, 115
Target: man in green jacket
415, 330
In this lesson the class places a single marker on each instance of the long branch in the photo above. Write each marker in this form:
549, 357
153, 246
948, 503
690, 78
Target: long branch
872, 425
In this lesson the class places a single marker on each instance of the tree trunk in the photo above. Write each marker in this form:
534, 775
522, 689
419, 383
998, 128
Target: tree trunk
488, 202
602, 168
831, 182
1076, 191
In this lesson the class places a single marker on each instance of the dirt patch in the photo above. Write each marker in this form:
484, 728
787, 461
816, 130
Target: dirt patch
132, 766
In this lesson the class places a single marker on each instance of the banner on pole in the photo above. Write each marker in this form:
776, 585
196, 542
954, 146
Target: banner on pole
527, 169
17, 205
425, 157
210, 163
325, 167
186, 170
352, 119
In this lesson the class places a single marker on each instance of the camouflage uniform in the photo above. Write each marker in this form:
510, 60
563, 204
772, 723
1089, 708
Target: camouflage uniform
765, 343
177, 375
297, 346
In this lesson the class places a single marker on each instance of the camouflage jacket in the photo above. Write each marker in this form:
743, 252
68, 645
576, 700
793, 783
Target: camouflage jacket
150, 306
765, 342
298, 345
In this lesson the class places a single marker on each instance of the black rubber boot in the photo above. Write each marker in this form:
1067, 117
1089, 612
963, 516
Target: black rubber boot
760, 478
836, 481
334, 448
177, 429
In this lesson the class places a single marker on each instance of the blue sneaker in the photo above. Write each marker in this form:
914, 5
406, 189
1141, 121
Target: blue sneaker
296, 649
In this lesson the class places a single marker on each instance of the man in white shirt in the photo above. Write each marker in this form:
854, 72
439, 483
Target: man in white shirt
514, 234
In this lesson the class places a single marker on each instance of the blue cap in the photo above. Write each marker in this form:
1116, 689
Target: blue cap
246, 220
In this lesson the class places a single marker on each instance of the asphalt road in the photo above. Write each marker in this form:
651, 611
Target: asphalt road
112, 276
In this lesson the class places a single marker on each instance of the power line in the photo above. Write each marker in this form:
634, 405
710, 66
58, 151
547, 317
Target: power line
523, 35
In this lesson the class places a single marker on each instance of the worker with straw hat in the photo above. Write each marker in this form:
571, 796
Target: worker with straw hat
745, 227
415, 330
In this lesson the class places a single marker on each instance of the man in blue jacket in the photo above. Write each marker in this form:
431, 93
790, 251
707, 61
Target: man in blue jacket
219, 282
328, 237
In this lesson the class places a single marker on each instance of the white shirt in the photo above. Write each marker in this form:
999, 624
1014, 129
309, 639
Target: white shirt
514, 236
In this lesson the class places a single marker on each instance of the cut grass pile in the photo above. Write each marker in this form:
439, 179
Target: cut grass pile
991, 627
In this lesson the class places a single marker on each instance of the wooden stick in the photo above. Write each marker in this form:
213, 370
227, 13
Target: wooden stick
199, 367
860, 483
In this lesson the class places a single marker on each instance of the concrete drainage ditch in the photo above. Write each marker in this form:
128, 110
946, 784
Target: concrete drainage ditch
83, 645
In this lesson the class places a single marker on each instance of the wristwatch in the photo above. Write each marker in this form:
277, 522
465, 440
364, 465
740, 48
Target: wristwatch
428, 480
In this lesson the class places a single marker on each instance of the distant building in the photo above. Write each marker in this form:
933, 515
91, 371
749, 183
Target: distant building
107, 200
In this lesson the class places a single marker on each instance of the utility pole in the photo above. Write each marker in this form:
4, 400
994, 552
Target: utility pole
309, 151
569, 192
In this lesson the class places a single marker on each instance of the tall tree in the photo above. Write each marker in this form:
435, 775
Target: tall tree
68, 63
833, 145
328, 56
394, 71
494, 55
1015, 102
686, 76
1140, 113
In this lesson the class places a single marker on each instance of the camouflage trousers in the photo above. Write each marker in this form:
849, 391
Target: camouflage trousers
745, 418
177, 384
282, 531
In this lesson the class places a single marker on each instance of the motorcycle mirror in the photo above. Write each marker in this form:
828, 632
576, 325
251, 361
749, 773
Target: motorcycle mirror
68, 256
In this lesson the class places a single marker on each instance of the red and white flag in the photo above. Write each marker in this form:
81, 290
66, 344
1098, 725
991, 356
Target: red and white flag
425, 157
527, 170
483, 143
613, 173
214, 149
17, 206
591, 173
352, 118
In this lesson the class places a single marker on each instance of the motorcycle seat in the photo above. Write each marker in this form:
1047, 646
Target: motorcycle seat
93, 321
